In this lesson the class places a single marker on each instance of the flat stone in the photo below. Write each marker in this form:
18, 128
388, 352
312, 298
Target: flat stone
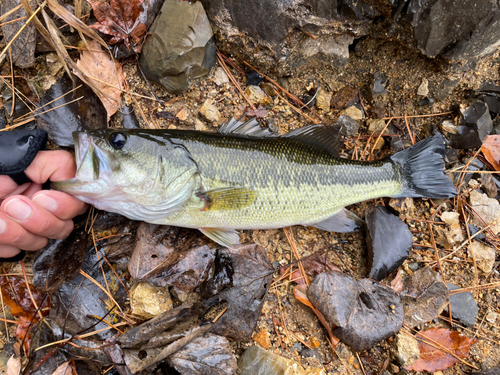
484, 255
323, 100
463, 306
179, 47
148, 301
210, 112
405, 349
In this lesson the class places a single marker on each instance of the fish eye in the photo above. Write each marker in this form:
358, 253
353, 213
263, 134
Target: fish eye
117, 140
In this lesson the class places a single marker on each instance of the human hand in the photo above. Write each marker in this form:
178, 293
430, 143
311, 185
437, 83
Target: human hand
29, 216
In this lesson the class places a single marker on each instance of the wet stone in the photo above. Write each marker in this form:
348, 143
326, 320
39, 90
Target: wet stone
389, 241
347, 126
463, 306
180, 46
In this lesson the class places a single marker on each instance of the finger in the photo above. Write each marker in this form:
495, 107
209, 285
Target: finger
9, 187
51, 165
60, 204
34, 218
7, 251
14, 235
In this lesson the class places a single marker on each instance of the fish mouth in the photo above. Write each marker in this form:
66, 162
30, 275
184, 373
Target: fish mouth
82, 144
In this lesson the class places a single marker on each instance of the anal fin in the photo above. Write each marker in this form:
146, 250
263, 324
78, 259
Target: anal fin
342, 222
224, 237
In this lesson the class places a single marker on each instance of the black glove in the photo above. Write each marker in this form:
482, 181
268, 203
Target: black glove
18, 148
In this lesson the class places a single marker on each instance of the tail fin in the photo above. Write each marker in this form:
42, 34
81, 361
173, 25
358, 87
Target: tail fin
422, 167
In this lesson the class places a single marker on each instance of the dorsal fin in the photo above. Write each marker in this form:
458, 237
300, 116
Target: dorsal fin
251, 128
325, 137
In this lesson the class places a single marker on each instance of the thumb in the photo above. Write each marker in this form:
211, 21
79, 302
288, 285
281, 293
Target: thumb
51, 165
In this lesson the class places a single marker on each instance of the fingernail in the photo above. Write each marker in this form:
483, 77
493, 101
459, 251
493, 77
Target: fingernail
3, 226
50, 204
17, 209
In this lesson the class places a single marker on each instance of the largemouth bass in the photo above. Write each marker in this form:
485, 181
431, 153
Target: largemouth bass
244, 177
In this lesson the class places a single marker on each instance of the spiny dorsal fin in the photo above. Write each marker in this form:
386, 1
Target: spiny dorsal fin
322, 136
251, 128
229, 198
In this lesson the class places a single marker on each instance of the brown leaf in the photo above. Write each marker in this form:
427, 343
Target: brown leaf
491, 150
259, 112
433, 359
106, 74
119, 19
22, 333
16, 295
67, 368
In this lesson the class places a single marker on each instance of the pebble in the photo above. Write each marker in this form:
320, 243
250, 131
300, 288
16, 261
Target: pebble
199, 125
148, 301
487, 208
484, 255
210, 112
347, 126
491, 317
263, 338
353, 112
376, 126
257, 95
323, 100
450, 218
463, 306
405, 349
423, 89
220, 77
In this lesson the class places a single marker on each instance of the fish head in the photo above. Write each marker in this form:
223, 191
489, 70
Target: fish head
126, 171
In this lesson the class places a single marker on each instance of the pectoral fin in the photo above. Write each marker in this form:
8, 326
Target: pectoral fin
227, 198
224, 237
344, 221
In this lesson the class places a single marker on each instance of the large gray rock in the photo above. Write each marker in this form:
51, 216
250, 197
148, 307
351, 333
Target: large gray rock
181, 46
283, 35
457, 29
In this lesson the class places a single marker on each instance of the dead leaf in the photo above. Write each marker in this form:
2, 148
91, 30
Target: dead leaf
17, 296
397, 282
22, 333
433, 359
119, 19
106, 74
491, 150
259, 112
67, 368
13, 366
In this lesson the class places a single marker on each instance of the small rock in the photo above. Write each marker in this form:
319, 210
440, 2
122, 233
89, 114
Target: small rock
487, 208
148, 301
262, 337
256, 360
353, 112
379, 81
477, 124
306, 353
347, 126
389, 241
450, 218
424, 297
423, 89
488, 185
484, 255
463, 306
394, 368
405, 349
404, 206
199, 125
257, 95
377, 126
345, 97
182, 114
210, 112
220, 77
323, 100
413, 266
491, 317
